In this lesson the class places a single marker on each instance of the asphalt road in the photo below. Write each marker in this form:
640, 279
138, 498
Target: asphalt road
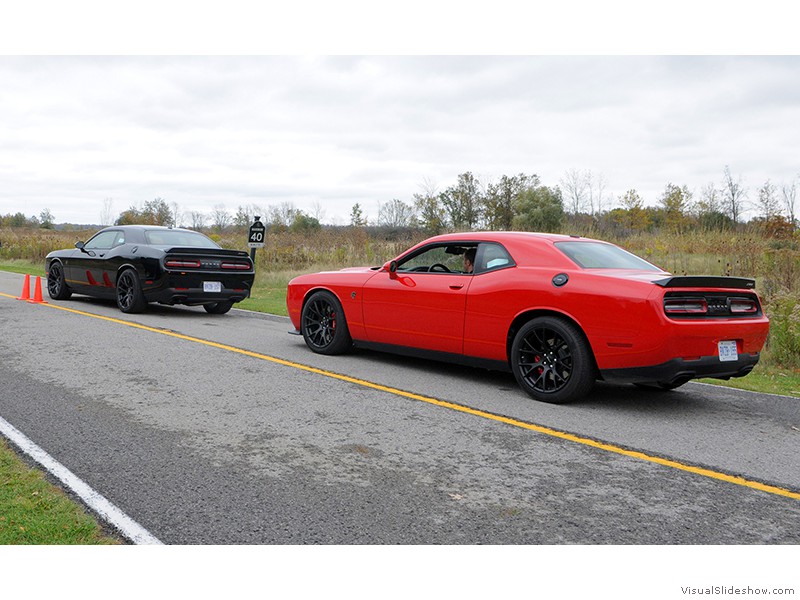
203, 443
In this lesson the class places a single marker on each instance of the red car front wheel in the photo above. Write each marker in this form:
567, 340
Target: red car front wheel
323, 325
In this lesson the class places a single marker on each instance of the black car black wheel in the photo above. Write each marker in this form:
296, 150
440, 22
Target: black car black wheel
551, 360
323, 325
218, 308
56, 283
130, 298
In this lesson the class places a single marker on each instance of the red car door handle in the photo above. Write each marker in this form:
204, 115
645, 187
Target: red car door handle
456, 286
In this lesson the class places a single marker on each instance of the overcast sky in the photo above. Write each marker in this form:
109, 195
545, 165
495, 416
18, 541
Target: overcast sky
332, 131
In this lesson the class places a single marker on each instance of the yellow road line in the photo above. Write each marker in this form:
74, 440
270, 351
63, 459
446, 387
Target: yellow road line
718, 475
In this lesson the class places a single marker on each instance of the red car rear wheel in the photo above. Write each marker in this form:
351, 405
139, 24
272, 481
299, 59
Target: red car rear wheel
551, 360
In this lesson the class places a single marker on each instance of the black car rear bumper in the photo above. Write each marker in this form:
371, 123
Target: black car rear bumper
194, 299
183, 290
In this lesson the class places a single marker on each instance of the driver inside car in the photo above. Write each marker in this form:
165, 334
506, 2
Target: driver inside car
469, 260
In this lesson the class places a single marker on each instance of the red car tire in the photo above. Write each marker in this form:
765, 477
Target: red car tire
552, 361
323, 324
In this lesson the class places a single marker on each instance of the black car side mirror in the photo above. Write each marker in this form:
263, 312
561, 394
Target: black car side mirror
82, 247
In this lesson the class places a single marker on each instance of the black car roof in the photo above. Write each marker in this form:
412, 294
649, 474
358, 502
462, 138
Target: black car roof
136, 233
145, 227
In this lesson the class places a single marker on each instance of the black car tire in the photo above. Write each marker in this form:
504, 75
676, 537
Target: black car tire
323, 324
552, 360
130, 298
218, 308
57, 286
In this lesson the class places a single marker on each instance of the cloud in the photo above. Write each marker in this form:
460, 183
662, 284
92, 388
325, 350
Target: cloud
338, 130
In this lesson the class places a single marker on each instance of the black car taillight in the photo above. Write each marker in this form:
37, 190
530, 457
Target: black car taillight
236, 266
175, 263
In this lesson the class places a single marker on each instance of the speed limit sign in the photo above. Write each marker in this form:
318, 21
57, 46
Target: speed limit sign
255, 238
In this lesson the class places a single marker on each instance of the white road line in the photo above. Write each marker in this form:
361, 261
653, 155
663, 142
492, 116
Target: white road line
100, 505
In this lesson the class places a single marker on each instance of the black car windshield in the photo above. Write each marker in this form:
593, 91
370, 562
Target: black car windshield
178, 237
597, 255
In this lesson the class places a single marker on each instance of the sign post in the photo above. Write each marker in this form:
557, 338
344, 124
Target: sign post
255, 237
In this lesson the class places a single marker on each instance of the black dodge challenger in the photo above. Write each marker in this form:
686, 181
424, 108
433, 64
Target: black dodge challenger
137, 264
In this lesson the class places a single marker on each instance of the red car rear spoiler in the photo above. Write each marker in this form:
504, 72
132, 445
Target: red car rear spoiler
707, 281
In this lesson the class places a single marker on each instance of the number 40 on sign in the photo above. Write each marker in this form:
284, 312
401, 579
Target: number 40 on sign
255, 238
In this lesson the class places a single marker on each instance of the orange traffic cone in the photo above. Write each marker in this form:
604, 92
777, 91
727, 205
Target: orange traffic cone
26, 289
37, 292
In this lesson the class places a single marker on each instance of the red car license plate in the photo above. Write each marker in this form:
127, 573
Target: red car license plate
727, 351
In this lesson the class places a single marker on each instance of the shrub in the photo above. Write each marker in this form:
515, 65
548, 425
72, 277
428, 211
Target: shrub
784, 332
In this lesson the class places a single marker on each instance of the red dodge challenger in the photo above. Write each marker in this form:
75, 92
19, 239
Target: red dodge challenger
558, 311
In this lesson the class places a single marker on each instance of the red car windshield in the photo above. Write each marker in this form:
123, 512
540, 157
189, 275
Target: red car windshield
597, 255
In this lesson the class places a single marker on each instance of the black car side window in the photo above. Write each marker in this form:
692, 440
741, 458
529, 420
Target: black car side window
102, 241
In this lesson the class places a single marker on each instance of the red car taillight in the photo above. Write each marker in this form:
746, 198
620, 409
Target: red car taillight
235, 266
182, 264
685, 306
743, 306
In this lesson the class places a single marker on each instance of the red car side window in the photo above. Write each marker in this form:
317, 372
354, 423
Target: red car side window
492, 257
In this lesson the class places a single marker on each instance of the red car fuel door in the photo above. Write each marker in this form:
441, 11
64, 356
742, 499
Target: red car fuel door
417, 309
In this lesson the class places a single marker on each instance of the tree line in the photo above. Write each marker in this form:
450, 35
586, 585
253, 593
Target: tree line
523, 202
45, 220
518, 202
